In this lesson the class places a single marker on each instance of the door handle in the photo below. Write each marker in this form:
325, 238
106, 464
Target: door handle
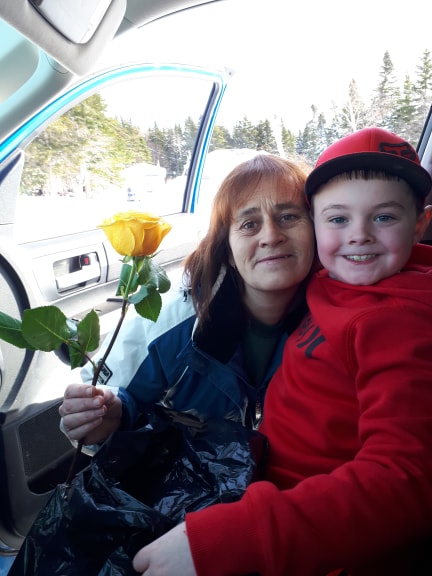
87, 269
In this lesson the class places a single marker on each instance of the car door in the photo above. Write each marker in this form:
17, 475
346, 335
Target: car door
61, 172
424, 149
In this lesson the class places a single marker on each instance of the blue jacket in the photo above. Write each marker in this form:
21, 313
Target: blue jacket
200, 372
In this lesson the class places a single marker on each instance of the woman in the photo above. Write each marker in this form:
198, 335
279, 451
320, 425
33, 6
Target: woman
213, 350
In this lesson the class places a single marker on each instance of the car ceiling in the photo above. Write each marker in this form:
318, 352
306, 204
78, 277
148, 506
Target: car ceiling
47, 63
79, 59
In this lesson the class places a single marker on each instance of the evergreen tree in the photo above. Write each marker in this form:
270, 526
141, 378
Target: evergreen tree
264, 137
288, 141
129, 146
385, 97
244, 134
183, 153
155, 139
189, 135
53, 158
313, 140
173, 152
336, 128
221, 139
405, 113
422, 92
60, 164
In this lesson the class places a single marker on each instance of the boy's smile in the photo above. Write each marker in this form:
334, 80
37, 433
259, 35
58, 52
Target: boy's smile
365, 229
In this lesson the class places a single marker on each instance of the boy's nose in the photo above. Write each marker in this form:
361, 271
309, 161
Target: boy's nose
361, 233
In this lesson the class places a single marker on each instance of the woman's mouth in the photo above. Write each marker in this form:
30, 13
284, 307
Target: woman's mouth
273, 258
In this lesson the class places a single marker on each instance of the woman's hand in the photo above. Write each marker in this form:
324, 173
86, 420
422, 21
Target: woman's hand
90, 413
169, 555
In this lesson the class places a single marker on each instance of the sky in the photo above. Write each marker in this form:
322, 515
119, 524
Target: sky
288, 56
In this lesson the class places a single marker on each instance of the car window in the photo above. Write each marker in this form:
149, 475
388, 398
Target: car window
125, 147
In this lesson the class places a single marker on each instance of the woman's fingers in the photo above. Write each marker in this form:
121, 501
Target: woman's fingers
80, 398
89, 413
82, 410
82, 391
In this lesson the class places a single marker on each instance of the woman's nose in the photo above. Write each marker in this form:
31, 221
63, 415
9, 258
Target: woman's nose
271, 234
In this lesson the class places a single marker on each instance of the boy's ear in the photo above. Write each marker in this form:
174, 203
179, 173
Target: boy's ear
423, 222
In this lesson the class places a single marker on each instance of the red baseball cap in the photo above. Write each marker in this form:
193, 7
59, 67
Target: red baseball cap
373, 149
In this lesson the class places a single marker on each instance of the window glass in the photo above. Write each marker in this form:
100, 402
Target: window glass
235, 139
126, 147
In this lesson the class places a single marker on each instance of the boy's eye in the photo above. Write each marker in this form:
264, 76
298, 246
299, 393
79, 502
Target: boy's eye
384, 218
338, 220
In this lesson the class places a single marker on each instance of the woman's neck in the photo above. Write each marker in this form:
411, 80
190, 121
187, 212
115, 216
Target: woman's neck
269, 307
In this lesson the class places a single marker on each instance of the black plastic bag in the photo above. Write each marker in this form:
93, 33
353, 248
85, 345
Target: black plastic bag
138, 486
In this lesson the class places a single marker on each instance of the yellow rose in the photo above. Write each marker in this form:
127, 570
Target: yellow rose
135, 233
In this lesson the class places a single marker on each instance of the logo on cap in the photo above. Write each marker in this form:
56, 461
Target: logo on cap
404, 150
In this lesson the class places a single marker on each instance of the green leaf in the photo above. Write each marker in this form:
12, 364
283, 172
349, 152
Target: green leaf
11, 331
45, 328
76, 356
89, 332
150, 307
142, 293
163, 282
145, 270
153, 274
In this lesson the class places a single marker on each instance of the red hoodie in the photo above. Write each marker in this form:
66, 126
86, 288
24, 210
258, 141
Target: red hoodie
349, 419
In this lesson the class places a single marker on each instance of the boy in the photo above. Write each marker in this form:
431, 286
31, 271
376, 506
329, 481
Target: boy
349, 413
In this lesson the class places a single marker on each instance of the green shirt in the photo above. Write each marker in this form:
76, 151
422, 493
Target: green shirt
259, 343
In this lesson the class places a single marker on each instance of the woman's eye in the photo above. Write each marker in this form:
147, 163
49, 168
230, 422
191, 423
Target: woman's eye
288, 217
250, 225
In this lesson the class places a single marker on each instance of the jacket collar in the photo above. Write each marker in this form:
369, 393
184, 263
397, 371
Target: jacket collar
219, 336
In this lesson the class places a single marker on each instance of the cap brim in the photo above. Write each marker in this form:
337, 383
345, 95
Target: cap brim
416, 176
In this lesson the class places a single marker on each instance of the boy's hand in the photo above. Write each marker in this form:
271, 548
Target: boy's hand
169, 555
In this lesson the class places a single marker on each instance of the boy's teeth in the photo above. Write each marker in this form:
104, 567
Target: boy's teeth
361, 258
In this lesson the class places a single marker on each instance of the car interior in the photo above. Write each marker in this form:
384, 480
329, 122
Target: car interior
55, 61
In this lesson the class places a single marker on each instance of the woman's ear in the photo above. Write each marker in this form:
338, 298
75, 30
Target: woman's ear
423, 222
